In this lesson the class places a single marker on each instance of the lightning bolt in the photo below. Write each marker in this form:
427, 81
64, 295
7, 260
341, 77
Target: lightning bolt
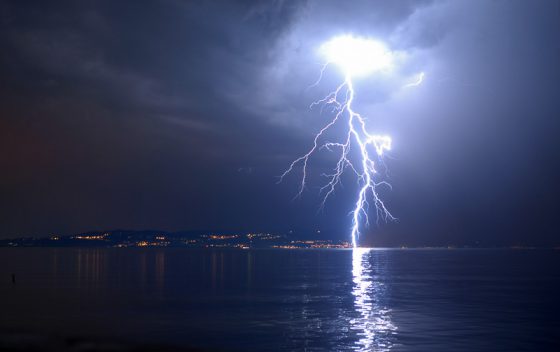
356, 57
371, 150
419, 78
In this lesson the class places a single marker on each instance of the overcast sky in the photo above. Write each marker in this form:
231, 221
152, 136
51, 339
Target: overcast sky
180, 115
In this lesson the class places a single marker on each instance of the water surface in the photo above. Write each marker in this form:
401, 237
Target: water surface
313, 300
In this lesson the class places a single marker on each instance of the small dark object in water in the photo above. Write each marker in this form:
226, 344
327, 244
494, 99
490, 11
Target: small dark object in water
13, 278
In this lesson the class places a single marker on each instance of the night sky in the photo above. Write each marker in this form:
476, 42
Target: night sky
180, 115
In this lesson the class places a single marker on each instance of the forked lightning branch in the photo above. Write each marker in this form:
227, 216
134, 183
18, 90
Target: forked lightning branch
356, 57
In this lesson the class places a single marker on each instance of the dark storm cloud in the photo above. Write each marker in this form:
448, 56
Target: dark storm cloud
121, 109
142, 55
149, 115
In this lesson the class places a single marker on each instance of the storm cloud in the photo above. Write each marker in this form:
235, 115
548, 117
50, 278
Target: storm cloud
141, 114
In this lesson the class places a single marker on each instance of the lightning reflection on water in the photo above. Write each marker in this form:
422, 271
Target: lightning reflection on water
373, 323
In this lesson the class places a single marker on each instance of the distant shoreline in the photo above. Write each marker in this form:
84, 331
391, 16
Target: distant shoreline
284, 249
213, 239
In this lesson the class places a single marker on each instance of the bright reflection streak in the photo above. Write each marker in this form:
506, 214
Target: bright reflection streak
373, 325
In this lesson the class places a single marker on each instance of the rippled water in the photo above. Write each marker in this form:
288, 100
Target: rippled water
306, 300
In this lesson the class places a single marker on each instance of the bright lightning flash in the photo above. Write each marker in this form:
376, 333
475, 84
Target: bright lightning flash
356, 57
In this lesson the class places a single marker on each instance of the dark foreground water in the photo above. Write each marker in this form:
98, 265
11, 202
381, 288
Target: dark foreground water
305, 300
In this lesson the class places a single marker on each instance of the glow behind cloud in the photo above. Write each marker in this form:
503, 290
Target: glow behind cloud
357, 56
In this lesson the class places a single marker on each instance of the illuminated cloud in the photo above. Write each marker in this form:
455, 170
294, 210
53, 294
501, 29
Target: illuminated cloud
357, 56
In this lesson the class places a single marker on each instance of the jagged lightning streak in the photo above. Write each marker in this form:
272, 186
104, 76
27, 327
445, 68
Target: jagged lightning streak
417, 81
356, 57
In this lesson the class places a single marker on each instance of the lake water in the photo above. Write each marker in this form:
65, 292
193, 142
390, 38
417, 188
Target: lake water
304, 300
